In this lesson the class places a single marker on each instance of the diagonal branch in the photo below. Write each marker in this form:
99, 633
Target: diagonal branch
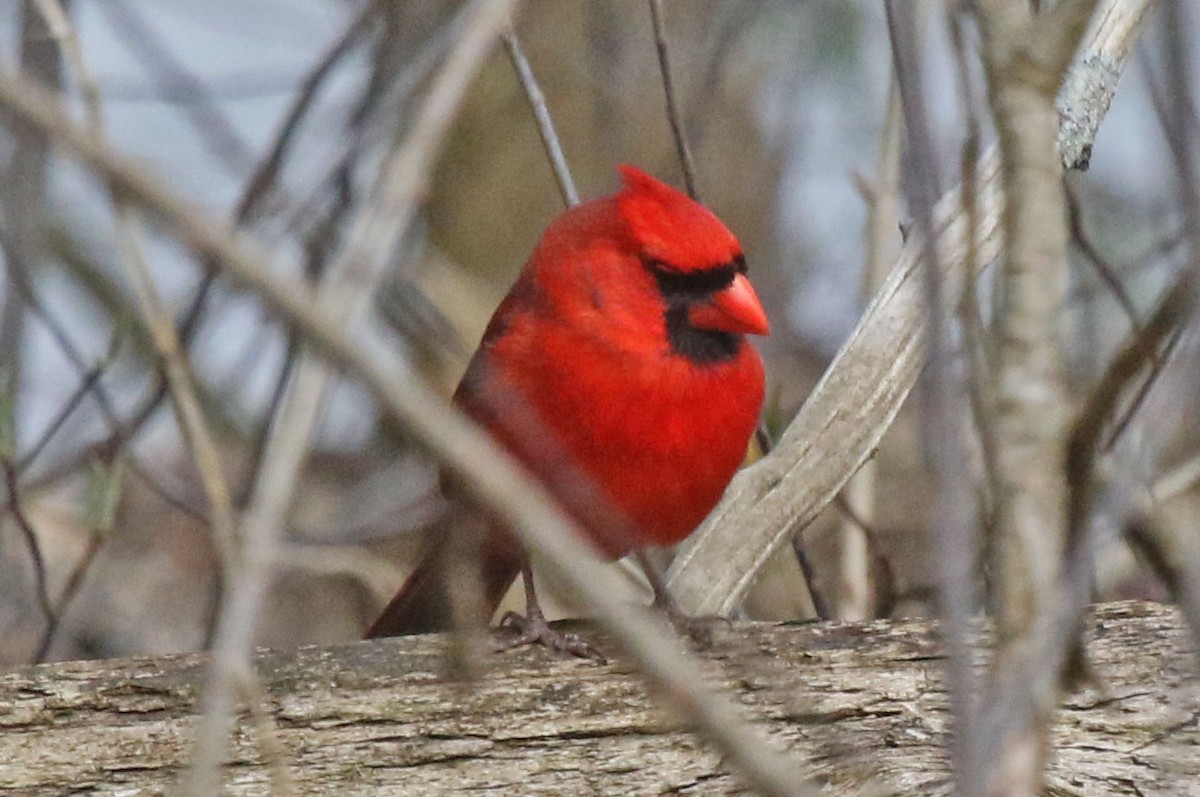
347, 288
848, 412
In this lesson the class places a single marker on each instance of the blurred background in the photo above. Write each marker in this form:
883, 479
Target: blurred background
786, 105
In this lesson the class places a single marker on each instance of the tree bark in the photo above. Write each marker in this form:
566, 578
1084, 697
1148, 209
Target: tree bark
861, 703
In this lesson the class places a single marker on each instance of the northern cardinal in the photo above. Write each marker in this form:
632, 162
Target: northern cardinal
616, 369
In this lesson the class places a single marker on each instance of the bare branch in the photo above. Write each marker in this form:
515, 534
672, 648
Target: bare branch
537, 103
1091, 85
952, 529
845, 416
192, 422
348, 285
854, 586
104, 490
673, 115
1105, 269
42, 589
223, 140
256, 195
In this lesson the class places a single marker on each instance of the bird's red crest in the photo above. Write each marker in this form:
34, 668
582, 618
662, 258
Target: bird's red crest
670, 227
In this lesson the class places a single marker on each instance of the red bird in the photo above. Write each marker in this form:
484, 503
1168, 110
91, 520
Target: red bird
616, 369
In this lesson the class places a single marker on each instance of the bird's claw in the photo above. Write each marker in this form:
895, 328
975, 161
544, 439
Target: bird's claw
519, 630
699, 629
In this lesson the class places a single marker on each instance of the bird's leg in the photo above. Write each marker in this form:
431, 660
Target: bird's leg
534, 628
698, 629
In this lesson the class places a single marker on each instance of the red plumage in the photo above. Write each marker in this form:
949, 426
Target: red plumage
616, 370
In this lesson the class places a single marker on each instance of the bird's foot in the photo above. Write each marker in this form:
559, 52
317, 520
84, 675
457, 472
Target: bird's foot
517, 630
699, 629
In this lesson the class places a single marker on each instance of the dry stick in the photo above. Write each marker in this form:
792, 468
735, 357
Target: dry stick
253, 198
1157, 367
24, 179
103, 493
1105, 269
1029, 680
407, 399
664, 64
951, 524
1025, 58
1109, 276
89, 377
30, 536
161, 490
845, 416
222, 139
1163, 107
197, 436
24, 198
87, 383
1083, 447
1152, 256
537, 103
160, 324
70, 589
1181, 132
1023, 55
279, 775
348, 285
327, 230
717, 57
978, 352
1178, 571
882, 243
266, 176
1176, 481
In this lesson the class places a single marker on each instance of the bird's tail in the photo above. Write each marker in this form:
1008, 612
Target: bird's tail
423, 605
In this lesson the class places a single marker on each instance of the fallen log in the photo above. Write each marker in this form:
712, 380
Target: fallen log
861, 704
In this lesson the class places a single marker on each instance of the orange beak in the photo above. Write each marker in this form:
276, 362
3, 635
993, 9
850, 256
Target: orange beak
734, 309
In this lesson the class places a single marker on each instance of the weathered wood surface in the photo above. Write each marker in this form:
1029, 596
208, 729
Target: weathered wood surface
862, 703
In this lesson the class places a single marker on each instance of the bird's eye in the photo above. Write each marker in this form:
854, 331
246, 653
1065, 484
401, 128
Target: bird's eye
691, 285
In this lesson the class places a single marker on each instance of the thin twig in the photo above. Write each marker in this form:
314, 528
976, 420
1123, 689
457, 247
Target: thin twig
42, 589
1152, 256
74, 581
854, 579
86, 385
265, 178
673, 115
537, 103
223, 140
820, 605
257, 193
346, 289
951, 522
978, 351
1177, 481
266, 734
1173, 310
162, 330
1178, 573
194, 425
158, 488
1157, 366
1105, 269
